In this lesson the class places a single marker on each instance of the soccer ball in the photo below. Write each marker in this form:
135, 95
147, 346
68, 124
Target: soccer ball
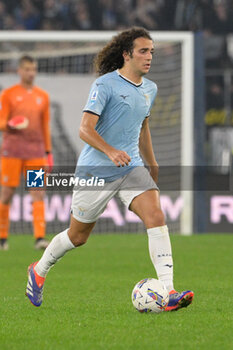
150, 295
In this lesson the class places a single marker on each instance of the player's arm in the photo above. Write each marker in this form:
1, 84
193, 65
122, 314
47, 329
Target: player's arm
47, 134
88, 134
146, 149
46, 127
4, 111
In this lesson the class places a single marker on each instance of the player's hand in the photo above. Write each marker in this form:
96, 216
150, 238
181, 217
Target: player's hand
119, 158
154, 172
50, 162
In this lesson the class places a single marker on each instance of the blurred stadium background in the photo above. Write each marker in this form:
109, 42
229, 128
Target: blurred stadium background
66, 72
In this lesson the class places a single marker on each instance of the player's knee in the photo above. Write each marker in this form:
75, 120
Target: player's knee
6, 200
6, 197
78, 241
155, 218
37, 196
78, 238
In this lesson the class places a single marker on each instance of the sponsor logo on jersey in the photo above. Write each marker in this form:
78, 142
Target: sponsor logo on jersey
124, 96
19, 98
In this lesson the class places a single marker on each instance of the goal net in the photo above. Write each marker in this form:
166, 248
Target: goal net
65, 71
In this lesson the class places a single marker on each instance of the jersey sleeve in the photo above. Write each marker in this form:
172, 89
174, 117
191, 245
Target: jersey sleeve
46, 126
4, 110
97, 99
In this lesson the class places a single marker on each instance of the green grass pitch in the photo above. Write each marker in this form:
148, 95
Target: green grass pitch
87, 297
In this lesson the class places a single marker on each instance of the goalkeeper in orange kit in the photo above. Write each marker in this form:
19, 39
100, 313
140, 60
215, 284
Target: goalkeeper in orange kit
24, 120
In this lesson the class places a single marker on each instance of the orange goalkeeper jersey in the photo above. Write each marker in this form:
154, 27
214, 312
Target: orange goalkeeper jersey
33, 104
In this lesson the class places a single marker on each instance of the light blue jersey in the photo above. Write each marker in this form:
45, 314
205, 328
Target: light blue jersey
122, 107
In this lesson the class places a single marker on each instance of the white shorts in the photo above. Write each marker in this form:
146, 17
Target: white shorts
87, 205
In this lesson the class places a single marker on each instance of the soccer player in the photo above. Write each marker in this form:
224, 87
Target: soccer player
115, 127
25, 145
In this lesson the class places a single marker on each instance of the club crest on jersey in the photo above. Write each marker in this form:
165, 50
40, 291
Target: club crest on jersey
38, 100
147, 97
94, 96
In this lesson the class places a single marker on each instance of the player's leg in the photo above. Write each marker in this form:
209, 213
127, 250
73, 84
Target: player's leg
6, 194
38, 205
86, 206
75, 236
38, 213
10, 177
140, 194
147, 207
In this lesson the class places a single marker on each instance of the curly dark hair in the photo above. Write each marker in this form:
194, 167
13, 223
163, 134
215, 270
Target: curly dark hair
110, 57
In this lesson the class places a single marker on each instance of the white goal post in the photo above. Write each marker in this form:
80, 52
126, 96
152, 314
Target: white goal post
187, 94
